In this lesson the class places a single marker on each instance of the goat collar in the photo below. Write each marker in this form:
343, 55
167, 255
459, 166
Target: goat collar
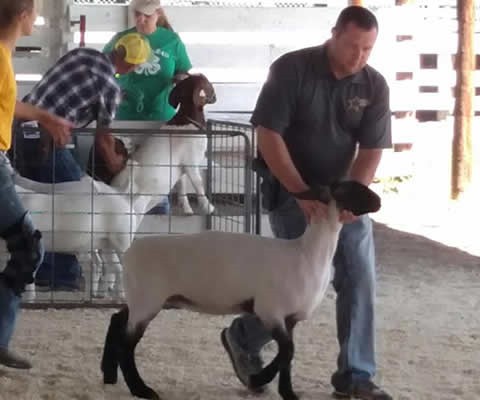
196, 123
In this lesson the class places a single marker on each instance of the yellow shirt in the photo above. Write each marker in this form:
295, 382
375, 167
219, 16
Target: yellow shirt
8, 97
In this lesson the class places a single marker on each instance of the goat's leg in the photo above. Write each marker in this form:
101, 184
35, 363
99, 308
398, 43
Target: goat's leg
182, 195
112, 278
130, 339
281, 363
117, 287
98, 278
194, 174
29, 295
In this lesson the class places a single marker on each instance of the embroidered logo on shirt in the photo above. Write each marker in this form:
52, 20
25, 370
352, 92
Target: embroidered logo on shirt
152, 66
356, 104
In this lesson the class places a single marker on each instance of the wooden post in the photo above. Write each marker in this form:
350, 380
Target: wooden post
463, 111
356, 2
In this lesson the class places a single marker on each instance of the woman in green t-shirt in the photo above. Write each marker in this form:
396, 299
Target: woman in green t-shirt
146, 89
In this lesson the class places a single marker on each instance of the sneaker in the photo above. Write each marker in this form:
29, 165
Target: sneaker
363, 390
244, 364
11, 360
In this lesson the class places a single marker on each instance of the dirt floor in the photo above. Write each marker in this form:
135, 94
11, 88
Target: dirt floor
428, 321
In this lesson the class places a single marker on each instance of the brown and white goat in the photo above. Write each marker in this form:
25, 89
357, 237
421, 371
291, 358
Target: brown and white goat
178, 155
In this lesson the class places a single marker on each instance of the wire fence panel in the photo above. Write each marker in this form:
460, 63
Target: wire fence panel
166, 187
240, 156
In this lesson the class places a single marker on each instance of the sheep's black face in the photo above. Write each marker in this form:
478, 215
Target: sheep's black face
355, 197
349, 195
319, 193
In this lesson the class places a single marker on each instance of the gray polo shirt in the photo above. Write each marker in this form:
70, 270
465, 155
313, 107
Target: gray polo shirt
321, 118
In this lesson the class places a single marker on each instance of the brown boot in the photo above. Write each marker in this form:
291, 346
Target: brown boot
11, 360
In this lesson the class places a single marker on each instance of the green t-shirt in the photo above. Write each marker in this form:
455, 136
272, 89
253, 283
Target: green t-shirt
145, 90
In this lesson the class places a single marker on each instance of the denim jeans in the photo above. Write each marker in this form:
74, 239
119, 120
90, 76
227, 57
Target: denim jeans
354, 283
11, 211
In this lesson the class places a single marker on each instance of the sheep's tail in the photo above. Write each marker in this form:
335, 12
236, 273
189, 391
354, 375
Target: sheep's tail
113, 344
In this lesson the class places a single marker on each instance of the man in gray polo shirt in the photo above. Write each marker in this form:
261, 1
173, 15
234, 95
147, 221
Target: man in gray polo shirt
323, 115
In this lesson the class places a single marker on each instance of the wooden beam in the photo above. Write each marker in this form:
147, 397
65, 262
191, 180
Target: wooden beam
463, 111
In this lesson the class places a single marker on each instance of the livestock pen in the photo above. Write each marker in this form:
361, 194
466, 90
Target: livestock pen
84, 217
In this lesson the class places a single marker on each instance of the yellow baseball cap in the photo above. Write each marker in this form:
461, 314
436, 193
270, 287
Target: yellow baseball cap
137, 48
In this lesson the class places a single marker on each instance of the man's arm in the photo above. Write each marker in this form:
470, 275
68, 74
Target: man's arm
275, 153
58, 128
105, 146
277, 157
365, 165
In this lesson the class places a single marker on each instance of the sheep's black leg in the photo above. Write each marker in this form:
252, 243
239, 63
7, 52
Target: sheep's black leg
267, 374
285, 379
281, 362
109, 365
128, 366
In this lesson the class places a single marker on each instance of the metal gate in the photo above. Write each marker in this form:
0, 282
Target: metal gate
69, 213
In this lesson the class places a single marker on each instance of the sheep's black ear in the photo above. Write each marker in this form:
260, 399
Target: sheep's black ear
320, 193
355, 197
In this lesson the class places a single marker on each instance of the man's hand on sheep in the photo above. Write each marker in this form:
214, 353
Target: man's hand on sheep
313, 209
347, 217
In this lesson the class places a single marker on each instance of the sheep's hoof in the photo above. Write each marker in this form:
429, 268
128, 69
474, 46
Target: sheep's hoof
289, 395
110, 379
256, 385
146, 393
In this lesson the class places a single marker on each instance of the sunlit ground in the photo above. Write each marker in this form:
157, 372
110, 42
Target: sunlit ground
421, 202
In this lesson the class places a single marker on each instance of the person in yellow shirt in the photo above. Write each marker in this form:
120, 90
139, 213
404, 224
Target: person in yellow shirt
16, 227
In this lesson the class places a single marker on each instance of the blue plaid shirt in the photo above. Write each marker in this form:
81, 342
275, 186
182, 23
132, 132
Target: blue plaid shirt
80, 87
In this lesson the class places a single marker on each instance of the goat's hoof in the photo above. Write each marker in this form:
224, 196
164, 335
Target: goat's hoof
146, 393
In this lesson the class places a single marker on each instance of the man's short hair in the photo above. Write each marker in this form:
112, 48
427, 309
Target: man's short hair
10, 9
360, 16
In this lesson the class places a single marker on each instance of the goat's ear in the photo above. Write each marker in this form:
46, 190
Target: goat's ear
199, 96
174, 96
319, 193
355, 197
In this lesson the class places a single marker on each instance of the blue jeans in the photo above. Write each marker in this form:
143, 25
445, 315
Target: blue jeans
354, 283
11, 211
58, 270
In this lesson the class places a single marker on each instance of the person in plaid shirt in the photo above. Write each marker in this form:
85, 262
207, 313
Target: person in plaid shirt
81, 87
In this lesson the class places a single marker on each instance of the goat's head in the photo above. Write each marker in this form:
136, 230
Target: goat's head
348, 195
196, 89
100, 170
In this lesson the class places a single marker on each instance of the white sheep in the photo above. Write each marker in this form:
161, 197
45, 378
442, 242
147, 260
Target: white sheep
280, 281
